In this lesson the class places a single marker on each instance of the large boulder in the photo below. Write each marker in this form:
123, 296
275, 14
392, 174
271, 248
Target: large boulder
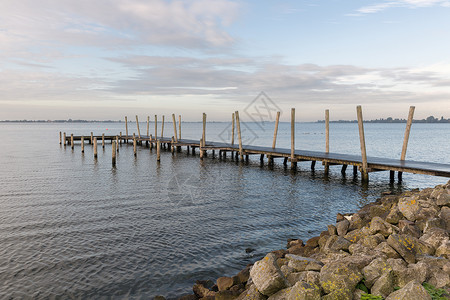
435, 237
342, 227
387, 250
340, 277
224, 283
413, 290
300, 263
304, 291
267, 276
378, 225
407, 246
251, 293
409, 207
384, 285
374, 271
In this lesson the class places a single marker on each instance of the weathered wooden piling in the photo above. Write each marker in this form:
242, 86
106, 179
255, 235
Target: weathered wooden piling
238, 125
293, 160
172, 147
71, 141
156, 127
158, 150
117, 142
92, 138
406, 138
134, 145
364, 167
179, 127
148, 124
275, 132
151, 143
201, 148
203, 134
162, 127
120, 137
65, 140
95, 148
326, 165
174, 128
82, 144
137, 124
114, 154
232, 129
103, 140
60, 137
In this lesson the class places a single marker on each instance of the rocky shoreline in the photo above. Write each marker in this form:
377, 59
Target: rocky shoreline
395, 248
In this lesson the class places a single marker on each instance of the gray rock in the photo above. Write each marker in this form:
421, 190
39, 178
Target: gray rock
267, 276
342, 227
304, 291
300, 263
384, 285
444, 249
374, 271
378, 225
387, 250
394, 215
445, 215
313, 277
332, 230
405, 245
294, 277
281, 294
413, 290
443, 199
339, 277
224, 283
435, 237
340, 244
357, 294
372, 241
251, 293
403, 275
434, 223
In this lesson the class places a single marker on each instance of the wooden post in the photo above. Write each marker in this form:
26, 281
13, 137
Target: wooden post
137, 124
103, 140
313, 165
203, 134
148, 124
201, 148
95, 148
162, 127
327, 139
406, 138
156, 127
175, 127
65, 139
92, 138
126, 129
293, 161
151, 143
117, 142
158, 150
114, 154
391, 176
134, 144
120, 137
238, 124
364, 168
60, 137
82, 144
179, 127
232, 129
276, 130
172, 147
71, 141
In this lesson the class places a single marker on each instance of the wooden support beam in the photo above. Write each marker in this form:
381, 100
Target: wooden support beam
151, 143
355, 170
391, 176
126, 128
92, 138
65, 140
162, 127
60, 137
174, 128
277, 120
285, 161
293, 161
120, 137
327, 139
400, 176
407, 131
364, 171
71, 141
156, 127
172, 147
179, 128
313, 165
158, 150
137, 125
261, 158
95, 148
117, 143
82, 144
201, 148
148, 125
232, 129
114, 154
270, 159
134, 145
343, 169
238, 124
103, 140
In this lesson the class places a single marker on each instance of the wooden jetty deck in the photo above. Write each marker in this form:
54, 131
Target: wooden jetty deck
363, 163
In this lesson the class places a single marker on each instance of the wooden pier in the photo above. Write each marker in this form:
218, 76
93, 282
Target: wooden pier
362, 163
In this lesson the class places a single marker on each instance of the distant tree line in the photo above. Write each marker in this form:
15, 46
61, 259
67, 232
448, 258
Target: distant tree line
430, 119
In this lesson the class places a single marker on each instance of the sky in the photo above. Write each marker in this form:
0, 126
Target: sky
102, 60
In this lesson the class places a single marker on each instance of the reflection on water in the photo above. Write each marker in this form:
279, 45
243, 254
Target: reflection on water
73, 226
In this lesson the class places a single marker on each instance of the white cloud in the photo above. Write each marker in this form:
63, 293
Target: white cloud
401, 3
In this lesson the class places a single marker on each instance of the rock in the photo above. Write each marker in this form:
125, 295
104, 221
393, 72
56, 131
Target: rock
188, 297
443, 199
339, 217
372, 241
394, 215
403, 275
292, 242
225, 295
408, 227
354, 235
281, 294
243, 275
251, 293
342, 227
378, 211
387, 250
313, 242
303, 250
374, 270
304, 291
357, 222
313, 277
434, 223
300, 263
443, 249
384, 285
159, 298
340, 277
405, 245
413, 290
445, 215
340, 244
224, 283
294, 277
357, 294
201, 290
409, 207
267, 276
435, 237
439, 278
332, 230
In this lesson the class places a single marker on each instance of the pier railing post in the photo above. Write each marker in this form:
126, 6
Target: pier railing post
162, 127
406, 138
175, 127
293, 160
95, 148
275, 132
327, 139
238, 125
126, 129
114, 154
82, 144
137, 124
156, 127
364, 167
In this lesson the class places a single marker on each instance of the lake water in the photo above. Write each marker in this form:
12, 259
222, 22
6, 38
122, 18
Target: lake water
74, 227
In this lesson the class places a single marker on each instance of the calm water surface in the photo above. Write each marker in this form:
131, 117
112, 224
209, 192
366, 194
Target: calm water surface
72, 226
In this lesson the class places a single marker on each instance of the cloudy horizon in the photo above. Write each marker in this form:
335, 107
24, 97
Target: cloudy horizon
106, 59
